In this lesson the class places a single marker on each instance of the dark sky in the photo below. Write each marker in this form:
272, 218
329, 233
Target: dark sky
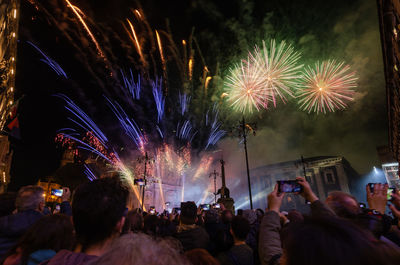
225, 30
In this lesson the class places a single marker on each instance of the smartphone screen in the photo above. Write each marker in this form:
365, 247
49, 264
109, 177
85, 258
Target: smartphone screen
390, 192
289, 186
57, 192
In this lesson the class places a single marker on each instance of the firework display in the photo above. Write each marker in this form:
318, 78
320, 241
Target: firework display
142, 117
327, 86
267, 74
157, 113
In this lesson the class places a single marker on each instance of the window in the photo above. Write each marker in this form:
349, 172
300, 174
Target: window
309, 177
329, 178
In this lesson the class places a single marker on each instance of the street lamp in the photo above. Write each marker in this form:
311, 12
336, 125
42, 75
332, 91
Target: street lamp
243, 130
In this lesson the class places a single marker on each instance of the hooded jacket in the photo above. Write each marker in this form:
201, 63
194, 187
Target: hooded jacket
12, 227
195, 237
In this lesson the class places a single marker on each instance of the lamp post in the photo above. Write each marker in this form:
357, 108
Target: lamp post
214, 174
244, 129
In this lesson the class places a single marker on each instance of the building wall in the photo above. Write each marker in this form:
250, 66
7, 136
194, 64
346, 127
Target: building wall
323, 174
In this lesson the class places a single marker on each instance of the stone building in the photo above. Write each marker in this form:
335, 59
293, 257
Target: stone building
325, 174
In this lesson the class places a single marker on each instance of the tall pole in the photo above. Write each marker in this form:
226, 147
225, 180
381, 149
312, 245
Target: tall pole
214, 174
144, 179
247, 161
304, 166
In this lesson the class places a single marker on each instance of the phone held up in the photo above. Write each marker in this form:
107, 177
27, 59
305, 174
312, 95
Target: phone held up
289, 186
57, 192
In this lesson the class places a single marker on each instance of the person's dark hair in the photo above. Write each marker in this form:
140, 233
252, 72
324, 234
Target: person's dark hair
334, 241
239, 212
226, 217
97, 207
240, 227
295, 216
7, 203
53, 232
151, 225
188, 213
200, 256
343, 204
133, 222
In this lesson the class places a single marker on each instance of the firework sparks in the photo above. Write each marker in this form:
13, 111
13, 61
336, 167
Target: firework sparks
78, 13
245, 87
158, 98
281, 70
136, 41
130, 84
327, 86
50, 62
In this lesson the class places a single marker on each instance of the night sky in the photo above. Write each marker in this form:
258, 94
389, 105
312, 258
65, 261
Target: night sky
225, 30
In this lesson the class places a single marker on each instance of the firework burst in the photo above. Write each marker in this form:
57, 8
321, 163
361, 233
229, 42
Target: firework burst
268, 74
245, 87
281, 71
327, 86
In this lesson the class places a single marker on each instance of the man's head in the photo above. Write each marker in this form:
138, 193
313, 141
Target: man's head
188, 213
30, 198
343, 204
98, 210
240, 228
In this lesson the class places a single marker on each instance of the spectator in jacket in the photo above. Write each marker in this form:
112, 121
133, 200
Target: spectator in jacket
29, 205
240, 253
323, 239
43, 239
188, 233
98, 211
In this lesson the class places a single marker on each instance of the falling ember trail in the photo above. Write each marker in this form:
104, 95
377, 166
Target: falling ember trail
75, 10
136, 41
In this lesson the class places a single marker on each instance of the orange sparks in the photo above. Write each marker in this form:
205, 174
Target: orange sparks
136, 41
190, 64
138, 13
160, 48
208, 79
75, 10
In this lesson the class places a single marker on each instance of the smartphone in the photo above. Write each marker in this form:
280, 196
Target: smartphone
152, 210
217, 206
138, 182
390, 192
205, 207
289, 186
57, 192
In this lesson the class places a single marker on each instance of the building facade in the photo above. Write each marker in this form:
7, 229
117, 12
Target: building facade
389, 22
9, 16
325, 174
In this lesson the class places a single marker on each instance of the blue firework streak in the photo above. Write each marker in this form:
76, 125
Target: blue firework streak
89, 173
129, 125
185, 131
184, 101
82, 119
158, 98
50, 62
130, 84
216, 133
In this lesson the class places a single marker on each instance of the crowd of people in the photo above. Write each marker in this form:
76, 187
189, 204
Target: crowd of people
95, 227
